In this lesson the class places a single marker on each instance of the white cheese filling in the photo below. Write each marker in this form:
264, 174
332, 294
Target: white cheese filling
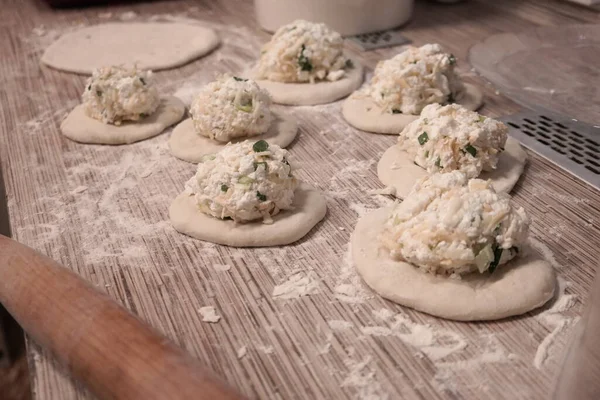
413, 79
303, 52
451, 225
116, 94
230, 108
244, 182
448, 138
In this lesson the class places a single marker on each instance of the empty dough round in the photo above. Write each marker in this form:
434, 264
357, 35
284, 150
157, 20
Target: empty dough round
516, 288
396, 169
289, 226
186, 144
148, 45
364, 114
309, 94
81, 128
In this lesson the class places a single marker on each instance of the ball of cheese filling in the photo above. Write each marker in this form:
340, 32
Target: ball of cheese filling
448, 138
244, 182
415, 78
116, 94
451, 225
230, 108
303, 52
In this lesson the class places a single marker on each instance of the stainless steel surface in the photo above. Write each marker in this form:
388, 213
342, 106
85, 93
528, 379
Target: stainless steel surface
376, 40
570, 144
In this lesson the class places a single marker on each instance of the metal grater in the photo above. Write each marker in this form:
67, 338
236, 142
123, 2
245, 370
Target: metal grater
377, 40
568, 143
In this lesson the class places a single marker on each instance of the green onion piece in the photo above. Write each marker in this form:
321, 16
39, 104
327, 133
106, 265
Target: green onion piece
207, 157
90, 86
394, 111
245, 180
228, 218
497, 256
261, 196
260, 146
481, 118
349, 63
263, 163
423, 138
239, 79
427, 154
142, 80
471, 150
246, 108
143, 115
452, 59
303, 61
438, 163
224, 188
99, 93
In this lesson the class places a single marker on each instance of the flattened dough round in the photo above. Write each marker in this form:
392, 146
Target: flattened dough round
310, 94
289, 226
149, 45
187, 145
514, 289
364, 114
81, 128
397, 170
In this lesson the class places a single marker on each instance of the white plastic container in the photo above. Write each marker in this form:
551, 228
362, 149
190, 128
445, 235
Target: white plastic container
348, 17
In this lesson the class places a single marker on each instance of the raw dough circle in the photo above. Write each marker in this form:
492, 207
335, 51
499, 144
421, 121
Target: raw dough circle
397, 170
289, 226
188, 145
310, 94
81, 128
516, 288
364, 114
148, 45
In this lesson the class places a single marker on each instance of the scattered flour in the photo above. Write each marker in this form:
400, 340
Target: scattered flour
80, 189
351, 288
209, 314
360, 209
361, 377
383, 314
221, 267
556, 320
241, 352
339, 325
299, 284
128, 16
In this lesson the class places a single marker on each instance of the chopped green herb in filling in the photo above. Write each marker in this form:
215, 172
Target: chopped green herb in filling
261, 196
497, 256
90, 87
451, 98
452, 59
260, 146
349, 63
303, 61
142, 80
263, 163
224, 188
481, 118
228, 218
394, 111
471, 150
207, 157
98, 93
438, 163
423, 138
427, 154
239, 79
143, 115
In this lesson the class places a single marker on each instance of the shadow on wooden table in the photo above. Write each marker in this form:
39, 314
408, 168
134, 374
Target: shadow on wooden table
14, 374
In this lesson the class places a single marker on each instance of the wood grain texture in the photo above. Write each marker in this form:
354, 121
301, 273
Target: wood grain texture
102, 212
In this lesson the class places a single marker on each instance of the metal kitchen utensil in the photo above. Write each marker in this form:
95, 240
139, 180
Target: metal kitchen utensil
571, 144
377, 40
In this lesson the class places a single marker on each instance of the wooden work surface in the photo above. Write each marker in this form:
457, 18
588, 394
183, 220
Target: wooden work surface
102, 211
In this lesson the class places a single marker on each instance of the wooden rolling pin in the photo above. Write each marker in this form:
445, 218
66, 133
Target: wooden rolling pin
112, 352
